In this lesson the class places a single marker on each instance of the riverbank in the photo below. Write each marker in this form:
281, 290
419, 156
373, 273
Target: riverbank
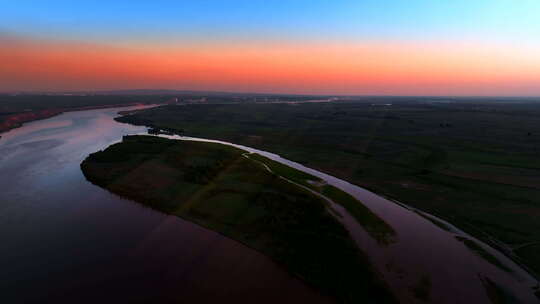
13, 121
378, 229
451, 169
16, 120
453, 271
87, 245
15, 110
215, 186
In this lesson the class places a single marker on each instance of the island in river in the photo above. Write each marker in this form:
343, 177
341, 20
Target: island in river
221, 188
470, 161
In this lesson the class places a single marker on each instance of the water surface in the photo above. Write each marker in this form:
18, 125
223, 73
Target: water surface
64, 240
422, 251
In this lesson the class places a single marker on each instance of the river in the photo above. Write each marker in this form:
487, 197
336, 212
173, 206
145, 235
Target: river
64, 240
423, 252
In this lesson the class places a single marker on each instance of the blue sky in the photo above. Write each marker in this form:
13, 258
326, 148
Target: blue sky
412, 47
256, 19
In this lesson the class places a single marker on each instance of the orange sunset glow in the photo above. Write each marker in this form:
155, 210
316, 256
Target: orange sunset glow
437, 68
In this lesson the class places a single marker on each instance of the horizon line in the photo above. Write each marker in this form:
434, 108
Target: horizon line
187, 91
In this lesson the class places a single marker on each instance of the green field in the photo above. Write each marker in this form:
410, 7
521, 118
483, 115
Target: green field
472, 162
214, 186
378, 229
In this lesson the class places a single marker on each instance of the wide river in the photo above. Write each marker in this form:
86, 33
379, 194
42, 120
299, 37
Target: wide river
422, 253
65, 240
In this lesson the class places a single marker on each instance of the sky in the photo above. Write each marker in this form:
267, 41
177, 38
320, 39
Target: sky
370, 47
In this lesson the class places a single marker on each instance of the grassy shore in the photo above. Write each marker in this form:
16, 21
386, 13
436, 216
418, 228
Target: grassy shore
481, 252
374, 225
471, 162
216, 187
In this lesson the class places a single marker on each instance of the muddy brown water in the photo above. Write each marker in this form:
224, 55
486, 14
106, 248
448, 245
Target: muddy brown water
422, 251
64, 240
